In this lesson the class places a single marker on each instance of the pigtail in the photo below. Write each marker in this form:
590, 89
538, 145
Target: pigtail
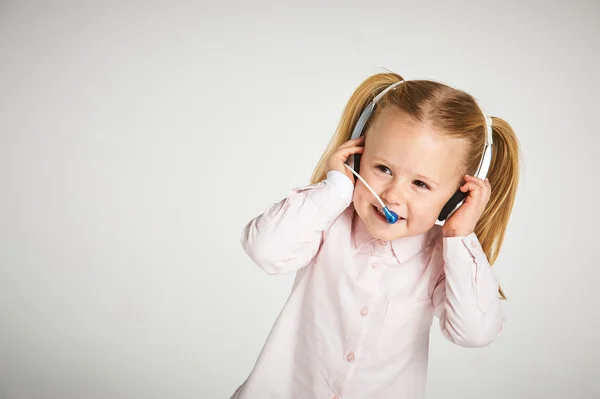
362, 95
504, 179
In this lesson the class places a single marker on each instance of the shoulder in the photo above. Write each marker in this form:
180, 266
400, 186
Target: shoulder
341, 227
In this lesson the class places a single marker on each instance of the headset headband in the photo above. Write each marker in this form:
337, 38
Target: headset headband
364, 117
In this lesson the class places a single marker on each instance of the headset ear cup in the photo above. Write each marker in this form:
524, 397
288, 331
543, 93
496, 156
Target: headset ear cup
357, 162
451, 204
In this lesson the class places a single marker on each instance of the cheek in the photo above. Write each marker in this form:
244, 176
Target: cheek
359, 194
426, 209
373, 182
362, 198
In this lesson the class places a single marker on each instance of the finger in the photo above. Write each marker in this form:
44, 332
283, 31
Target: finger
488, 190
484, 184
344, 153
476, 180
358, 139
471, 187
350, 148
475, 193
354, 142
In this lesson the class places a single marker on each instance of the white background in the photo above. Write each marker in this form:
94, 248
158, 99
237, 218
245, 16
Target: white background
137, 140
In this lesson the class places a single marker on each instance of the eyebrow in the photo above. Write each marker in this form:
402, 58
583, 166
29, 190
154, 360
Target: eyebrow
418, 176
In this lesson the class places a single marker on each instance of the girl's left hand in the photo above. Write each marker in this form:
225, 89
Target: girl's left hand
463, 220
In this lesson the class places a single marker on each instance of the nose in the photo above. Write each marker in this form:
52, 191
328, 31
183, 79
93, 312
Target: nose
393, 196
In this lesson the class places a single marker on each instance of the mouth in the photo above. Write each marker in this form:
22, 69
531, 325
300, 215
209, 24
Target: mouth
379, 211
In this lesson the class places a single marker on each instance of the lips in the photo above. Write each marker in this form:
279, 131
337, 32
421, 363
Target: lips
379, 211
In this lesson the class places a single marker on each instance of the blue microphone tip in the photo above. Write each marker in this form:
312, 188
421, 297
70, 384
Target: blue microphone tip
391, 216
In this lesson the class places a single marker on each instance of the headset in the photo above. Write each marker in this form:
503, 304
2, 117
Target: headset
457, 199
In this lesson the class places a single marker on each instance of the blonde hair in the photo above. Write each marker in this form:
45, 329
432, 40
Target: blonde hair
455, 113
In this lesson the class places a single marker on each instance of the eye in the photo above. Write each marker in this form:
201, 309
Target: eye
421, 184
384, 169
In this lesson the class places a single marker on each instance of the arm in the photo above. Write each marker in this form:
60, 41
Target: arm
466, 297
289, 233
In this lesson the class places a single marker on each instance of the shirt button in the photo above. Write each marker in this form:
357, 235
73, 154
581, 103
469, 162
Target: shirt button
375, 265
350, 357
364, 311
473, 244
382, 243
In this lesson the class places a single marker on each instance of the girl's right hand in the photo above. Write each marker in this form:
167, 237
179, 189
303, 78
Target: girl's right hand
338, 158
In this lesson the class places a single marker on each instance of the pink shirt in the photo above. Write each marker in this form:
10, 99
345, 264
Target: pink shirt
357, 321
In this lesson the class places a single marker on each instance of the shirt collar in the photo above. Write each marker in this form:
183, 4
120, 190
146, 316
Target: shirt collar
403, 248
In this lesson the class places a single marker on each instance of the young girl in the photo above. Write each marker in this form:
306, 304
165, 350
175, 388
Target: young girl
375, 260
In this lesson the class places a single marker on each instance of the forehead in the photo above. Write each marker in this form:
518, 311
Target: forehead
414, 147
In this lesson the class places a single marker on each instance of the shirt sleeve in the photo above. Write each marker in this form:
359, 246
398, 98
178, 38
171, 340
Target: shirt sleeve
288, 235
466, 297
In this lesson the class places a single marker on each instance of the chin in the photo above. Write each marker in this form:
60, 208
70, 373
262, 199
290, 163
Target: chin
391, 235
380, 228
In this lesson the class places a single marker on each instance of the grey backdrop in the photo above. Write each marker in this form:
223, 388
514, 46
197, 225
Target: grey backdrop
137, 140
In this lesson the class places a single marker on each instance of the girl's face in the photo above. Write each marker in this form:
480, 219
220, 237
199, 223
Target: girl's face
413, 169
